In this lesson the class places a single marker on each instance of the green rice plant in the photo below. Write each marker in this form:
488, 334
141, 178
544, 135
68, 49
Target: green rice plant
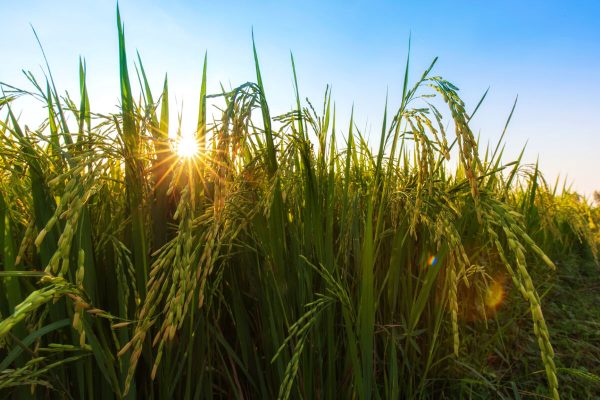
286, 259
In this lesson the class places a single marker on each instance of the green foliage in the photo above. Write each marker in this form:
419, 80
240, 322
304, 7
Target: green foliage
276, 263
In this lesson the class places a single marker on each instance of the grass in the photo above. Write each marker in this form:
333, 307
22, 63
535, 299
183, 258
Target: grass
287, 259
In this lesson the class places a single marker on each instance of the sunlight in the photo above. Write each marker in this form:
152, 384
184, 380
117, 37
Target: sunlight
187, 146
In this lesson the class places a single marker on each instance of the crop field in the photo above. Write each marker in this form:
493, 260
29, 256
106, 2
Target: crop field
284, 256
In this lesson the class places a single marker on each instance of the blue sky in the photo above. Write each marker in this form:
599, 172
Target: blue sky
546, 52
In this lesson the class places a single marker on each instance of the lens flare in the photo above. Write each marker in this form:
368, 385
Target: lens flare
432, 261
495, 294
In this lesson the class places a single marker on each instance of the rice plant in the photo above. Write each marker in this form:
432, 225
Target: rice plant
282, 258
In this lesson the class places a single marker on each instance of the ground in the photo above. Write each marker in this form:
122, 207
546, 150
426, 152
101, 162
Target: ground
571, 305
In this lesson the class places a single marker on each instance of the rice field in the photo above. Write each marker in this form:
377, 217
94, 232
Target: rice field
283, 256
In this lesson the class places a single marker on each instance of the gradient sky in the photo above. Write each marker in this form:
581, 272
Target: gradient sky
546, 52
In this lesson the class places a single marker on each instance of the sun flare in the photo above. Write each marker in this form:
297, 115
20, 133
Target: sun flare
186, 146
495, 294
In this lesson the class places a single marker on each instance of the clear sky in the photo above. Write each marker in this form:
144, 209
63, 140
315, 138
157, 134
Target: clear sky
547, 52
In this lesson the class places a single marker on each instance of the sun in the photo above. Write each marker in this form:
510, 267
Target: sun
186, 146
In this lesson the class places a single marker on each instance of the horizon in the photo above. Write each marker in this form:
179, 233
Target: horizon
545, 63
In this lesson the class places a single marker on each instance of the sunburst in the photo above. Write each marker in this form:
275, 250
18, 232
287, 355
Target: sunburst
186, 147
